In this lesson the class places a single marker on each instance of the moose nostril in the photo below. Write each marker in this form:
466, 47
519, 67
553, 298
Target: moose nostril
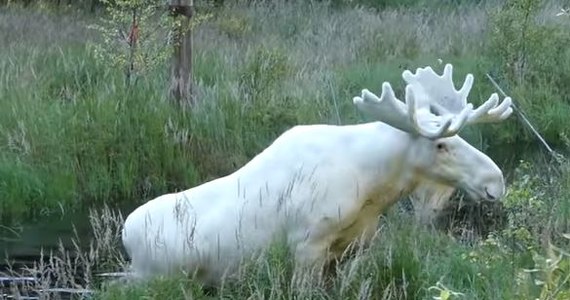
489, 196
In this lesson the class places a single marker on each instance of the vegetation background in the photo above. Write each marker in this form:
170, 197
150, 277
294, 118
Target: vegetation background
74, 135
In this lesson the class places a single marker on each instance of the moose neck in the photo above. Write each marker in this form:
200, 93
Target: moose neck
389, 160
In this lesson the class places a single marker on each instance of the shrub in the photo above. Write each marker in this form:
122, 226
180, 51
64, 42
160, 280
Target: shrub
531, 60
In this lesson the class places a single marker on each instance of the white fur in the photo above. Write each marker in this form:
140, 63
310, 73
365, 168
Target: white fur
318, 186
429, 201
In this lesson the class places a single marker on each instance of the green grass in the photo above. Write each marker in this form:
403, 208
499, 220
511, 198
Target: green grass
81, 137
74, 136
404, 262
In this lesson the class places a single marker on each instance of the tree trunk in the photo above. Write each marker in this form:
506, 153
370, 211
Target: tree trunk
133, 41
181, 68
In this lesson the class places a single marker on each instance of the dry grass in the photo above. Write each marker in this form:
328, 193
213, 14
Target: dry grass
72, 271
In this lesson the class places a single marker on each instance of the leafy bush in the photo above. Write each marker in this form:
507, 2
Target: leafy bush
551, 272
536, 211
526, 208
531, 59
134, 36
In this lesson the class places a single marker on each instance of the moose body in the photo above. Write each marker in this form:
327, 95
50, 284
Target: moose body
317, 187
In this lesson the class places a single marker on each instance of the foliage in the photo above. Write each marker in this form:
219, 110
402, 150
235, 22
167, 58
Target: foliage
552, 272
525, 207
134, 36
79, 137
77, 134
137, 35
537, 211
531, 58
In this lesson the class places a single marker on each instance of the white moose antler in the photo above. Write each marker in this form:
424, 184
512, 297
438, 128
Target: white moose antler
414, 116
444, 99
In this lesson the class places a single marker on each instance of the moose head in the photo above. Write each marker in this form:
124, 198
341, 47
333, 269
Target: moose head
432, 116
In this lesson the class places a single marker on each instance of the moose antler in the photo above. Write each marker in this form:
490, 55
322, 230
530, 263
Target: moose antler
414, 116
433, 108
444, 99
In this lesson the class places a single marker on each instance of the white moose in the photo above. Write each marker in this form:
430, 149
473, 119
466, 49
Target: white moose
321, 186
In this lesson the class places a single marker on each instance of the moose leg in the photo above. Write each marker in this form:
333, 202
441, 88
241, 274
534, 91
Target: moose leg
311, 258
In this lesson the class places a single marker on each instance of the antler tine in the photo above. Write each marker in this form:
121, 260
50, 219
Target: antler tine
414, 116
490, 112
387, 108
440, 90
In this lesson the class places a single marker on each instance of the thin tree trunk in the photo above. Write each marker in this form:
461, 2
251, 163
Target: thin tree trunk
132, 40
181, 68
94, 4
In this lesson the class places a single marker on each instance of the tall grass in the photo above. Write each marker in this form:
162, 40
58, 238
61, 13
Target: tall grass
404, 261
74, 136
